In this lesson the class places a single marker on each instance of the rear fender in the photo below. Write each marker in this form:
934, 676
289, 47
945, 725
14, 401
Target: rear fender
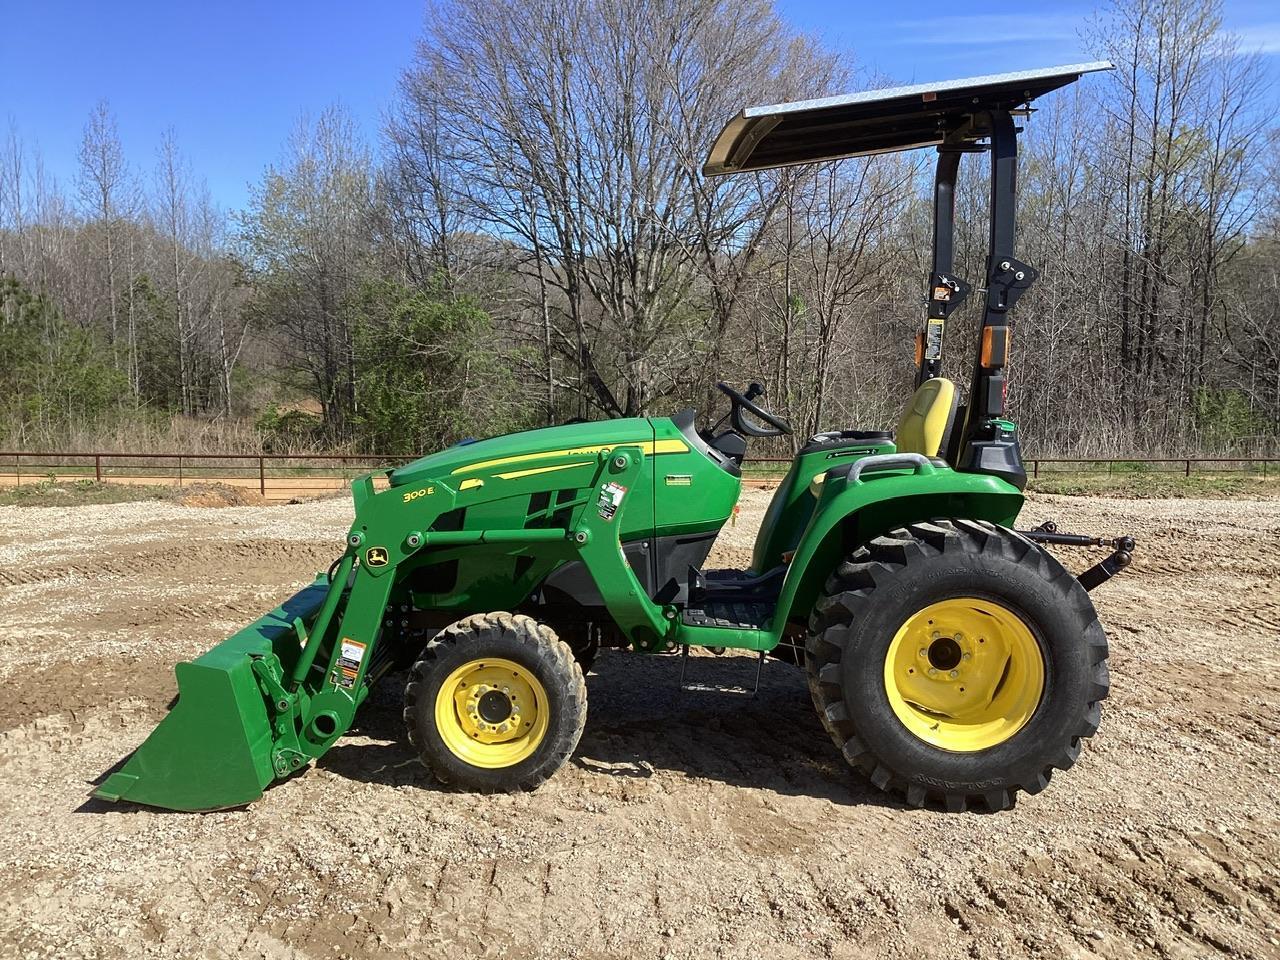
850, 513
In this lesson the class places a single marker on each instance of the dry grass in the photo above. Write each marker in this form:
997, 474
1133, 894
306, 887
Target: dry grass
1161, 486
140, 433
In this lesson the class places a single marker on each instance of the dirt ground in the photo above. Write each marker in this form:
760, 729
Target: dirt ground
696, 825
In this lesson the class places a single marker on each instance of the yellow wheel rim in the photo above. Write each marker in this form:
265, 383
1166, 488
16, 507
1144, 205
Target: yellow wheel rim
964, 674
492, 713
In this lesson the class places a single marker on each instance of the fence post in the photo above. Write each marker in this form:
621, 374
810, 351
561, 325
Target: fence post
97, 467
1188, 473
179, 469
1035, 469
262, 477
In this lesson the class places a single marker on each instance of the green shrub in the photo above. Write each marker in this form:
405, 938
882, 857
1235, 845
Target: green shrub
429, 372
288, 430
1131, 466
51, 373
1223, 418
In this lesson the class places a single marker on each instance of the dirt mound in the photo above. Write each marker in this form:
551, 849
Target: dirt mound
217, 495
86, 492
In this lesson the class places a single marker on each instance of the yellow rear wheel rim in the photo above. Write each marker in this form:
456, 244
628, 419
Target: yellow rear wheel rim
492, 713
964, 675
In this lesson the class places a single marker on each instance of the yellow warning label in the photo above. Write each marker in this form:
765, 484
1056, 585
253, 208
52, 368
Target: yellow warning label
350, 656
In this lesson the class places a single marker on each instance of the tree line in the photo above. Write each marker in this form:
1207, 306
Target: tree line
531, 241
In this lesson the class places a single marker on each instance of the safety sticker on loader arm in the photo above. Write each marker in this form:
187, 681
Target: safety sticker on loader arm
349, 660
611, 495
933, 339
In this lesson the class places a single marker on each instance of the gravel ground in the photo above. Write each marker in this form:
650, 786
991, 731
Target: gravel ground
696, 825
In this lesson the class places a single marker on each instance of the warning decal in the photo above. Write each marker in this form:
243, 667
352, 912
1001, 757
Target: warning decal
611, 495
933, 339
349, 659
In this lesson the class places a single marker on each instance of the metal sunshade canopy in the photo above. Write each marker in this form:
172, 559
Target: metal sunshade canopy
876, 121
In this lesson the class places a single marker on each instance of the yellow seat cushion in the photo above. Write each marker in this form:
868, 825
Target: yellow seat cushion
927, 420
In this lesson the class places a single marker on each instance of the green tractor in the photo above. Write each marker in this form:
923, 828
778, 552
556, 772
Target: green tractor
952, 659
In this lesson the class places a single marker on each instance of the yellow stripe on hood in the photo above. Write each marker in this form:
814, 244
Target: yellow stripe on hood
650, 447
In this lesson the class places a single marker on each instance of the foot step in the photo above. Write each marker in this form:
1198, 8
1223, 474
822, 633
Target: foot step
737, 689
739, 616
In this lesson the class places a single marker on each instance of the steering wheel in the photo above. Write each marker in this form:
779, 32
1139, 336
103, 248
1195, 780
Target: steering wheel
744, 402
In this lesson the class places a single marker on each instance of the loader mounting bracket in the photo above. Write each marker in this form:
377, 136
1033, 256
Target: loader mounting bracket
287, 754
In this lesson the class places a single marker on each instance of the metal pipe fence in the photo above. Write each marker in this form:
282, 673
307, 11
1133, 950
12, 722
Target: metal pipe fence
274, 476
284, 476
1085, 466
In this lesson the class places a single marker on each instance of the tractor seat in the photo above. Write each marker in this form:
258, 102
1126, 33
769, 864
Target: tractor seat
925, 426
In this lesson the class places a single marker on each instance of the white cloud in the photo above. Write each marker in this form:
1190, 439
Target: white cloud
986, 29
1258, 37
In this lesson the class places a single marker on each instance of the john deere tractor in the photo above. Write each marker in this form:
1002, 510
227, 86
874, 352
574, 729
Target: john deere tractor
952, 659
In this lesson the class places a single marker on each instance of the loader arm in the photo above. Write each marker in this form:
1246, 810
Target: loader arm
279, 693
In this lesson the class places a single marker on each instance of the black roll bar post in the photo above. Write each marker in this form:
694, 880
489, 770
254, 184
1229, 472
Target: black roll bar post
1007, 278
946, 290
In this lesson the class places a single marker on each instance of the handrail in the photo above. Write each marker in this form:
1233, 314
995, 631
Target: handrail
917, 461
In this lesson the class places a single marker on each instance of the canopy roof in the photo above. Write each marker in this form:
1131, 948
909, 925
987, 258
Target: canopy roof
877, 121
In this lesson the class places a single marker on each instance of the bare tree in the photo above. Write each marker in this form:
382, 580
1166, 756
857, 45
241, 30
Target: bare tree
579, 131
103, 184
543, 163
307, 236
173, 220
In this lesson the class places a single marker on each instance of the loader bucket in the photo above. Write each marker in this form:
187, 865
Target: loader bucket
214, 749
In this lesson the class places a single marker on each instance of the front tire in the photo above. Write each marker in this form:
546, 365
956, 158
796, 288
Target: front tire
495, 703
957, 661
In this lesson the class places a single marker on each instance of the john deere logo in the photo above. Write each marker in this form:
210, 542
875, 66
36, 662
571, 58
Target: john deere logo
375, 557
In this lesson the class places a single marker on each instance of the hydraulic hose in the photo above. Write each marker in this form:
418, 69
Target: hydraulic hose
337, 584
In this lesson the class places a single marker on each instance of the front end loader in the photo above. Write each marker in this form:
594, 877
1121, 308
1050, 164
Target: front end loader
950, 657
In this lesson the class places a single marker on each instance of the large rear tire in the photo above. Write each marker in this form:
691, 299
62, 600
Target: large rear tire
496, 703
957, 661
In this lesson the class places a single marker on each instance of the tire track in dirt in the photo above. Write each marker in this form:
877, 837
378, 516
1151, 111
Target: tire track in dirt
690, 825
73, 689
189, 562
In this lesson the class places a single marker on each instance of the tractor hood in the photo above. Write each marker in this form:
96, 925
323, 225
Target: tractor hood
528, 450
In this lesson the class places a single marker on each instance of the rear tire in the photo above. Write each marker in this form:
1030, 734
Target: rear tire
888, 665
495, 703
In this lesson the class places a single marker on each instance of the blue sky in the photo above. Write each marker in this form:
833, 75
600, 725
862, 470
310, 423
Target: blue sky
231, 77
